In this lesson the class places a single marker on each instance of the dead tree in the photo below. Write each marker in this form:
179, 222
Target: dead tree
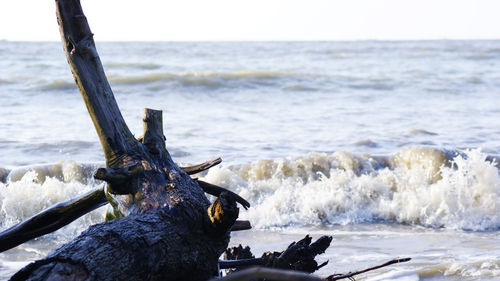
169, 229
162, 226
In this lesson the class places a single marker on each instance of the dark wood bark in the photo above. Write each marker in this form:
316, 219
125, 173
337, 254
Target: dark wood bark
299, 256
168, 230
241, 225
116, 139
163, 245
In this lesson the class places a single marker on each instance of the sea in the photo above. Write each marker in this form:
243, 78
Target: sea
390, 147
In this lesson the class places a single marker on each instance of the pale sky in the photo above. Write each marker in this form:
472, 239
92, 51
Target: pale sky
187, 20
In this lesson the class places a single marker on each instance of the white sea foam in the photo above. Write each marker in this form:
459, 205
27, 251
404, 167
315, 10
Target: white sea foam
396, 276
417, 186
33, 193
479, 269
467, 268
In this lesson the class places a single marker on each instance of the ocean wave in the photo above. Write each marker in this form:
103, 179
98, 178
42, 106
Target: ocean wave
414, 132
210, 79
366, 143
483, 268
24, 197
288, 81
300, 88
372, 86
56, 85
418, 186
64, 171
146, 66
482, 56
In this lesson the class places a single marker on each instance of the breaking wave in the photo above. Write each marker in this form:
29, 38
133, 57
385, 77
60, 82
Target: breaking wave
418, 186
29, 190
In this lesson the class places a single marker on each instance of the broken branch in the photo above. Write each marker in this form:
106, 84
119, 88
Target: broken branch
222, 214
191, 170
215, 190
351, 274
241, 225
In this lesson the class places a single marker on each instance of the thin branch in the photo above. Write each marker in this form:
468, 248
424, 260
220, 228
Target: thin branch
268, 273
224, 264
351, 274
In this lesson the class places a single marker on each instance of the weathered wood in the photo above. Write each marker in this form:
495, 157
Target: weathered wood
153, 137
191, 170
299, 256
51, 219
116, 139
241, 225
225, 264
163, 245
124, 180
221, 214
166, 232
215, 190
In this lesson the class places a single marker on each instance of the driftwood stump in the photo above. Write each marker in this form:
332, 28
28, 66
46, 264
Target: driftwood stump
167, 229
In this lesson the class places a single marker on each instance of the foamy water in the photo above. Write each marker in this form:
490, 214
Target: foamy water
388, 146
420, 186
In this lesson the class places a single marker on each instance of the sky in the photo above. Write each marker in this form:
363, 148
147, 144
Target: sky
244, 20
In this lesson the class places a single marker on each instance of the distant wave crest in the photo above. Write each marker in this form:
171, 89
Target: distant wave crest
209, 79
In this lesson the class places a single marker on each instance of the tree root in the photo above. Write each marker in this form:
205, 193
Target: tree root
298, 256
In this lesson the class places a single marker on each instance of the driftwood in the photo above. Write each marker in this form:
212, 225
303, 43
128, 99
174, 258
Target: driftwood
266, 273
169, 230
299, 256
161, 225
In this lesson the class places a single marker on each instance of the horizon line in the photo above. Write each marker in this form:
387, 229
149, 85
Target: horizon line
258, 40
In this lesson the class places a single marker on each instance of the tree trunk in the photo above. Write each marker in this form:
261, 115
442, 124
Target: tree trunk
161, 245
169, 230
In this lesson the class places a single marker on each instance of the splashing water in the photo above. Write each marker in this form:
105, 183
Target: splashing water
419, 186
